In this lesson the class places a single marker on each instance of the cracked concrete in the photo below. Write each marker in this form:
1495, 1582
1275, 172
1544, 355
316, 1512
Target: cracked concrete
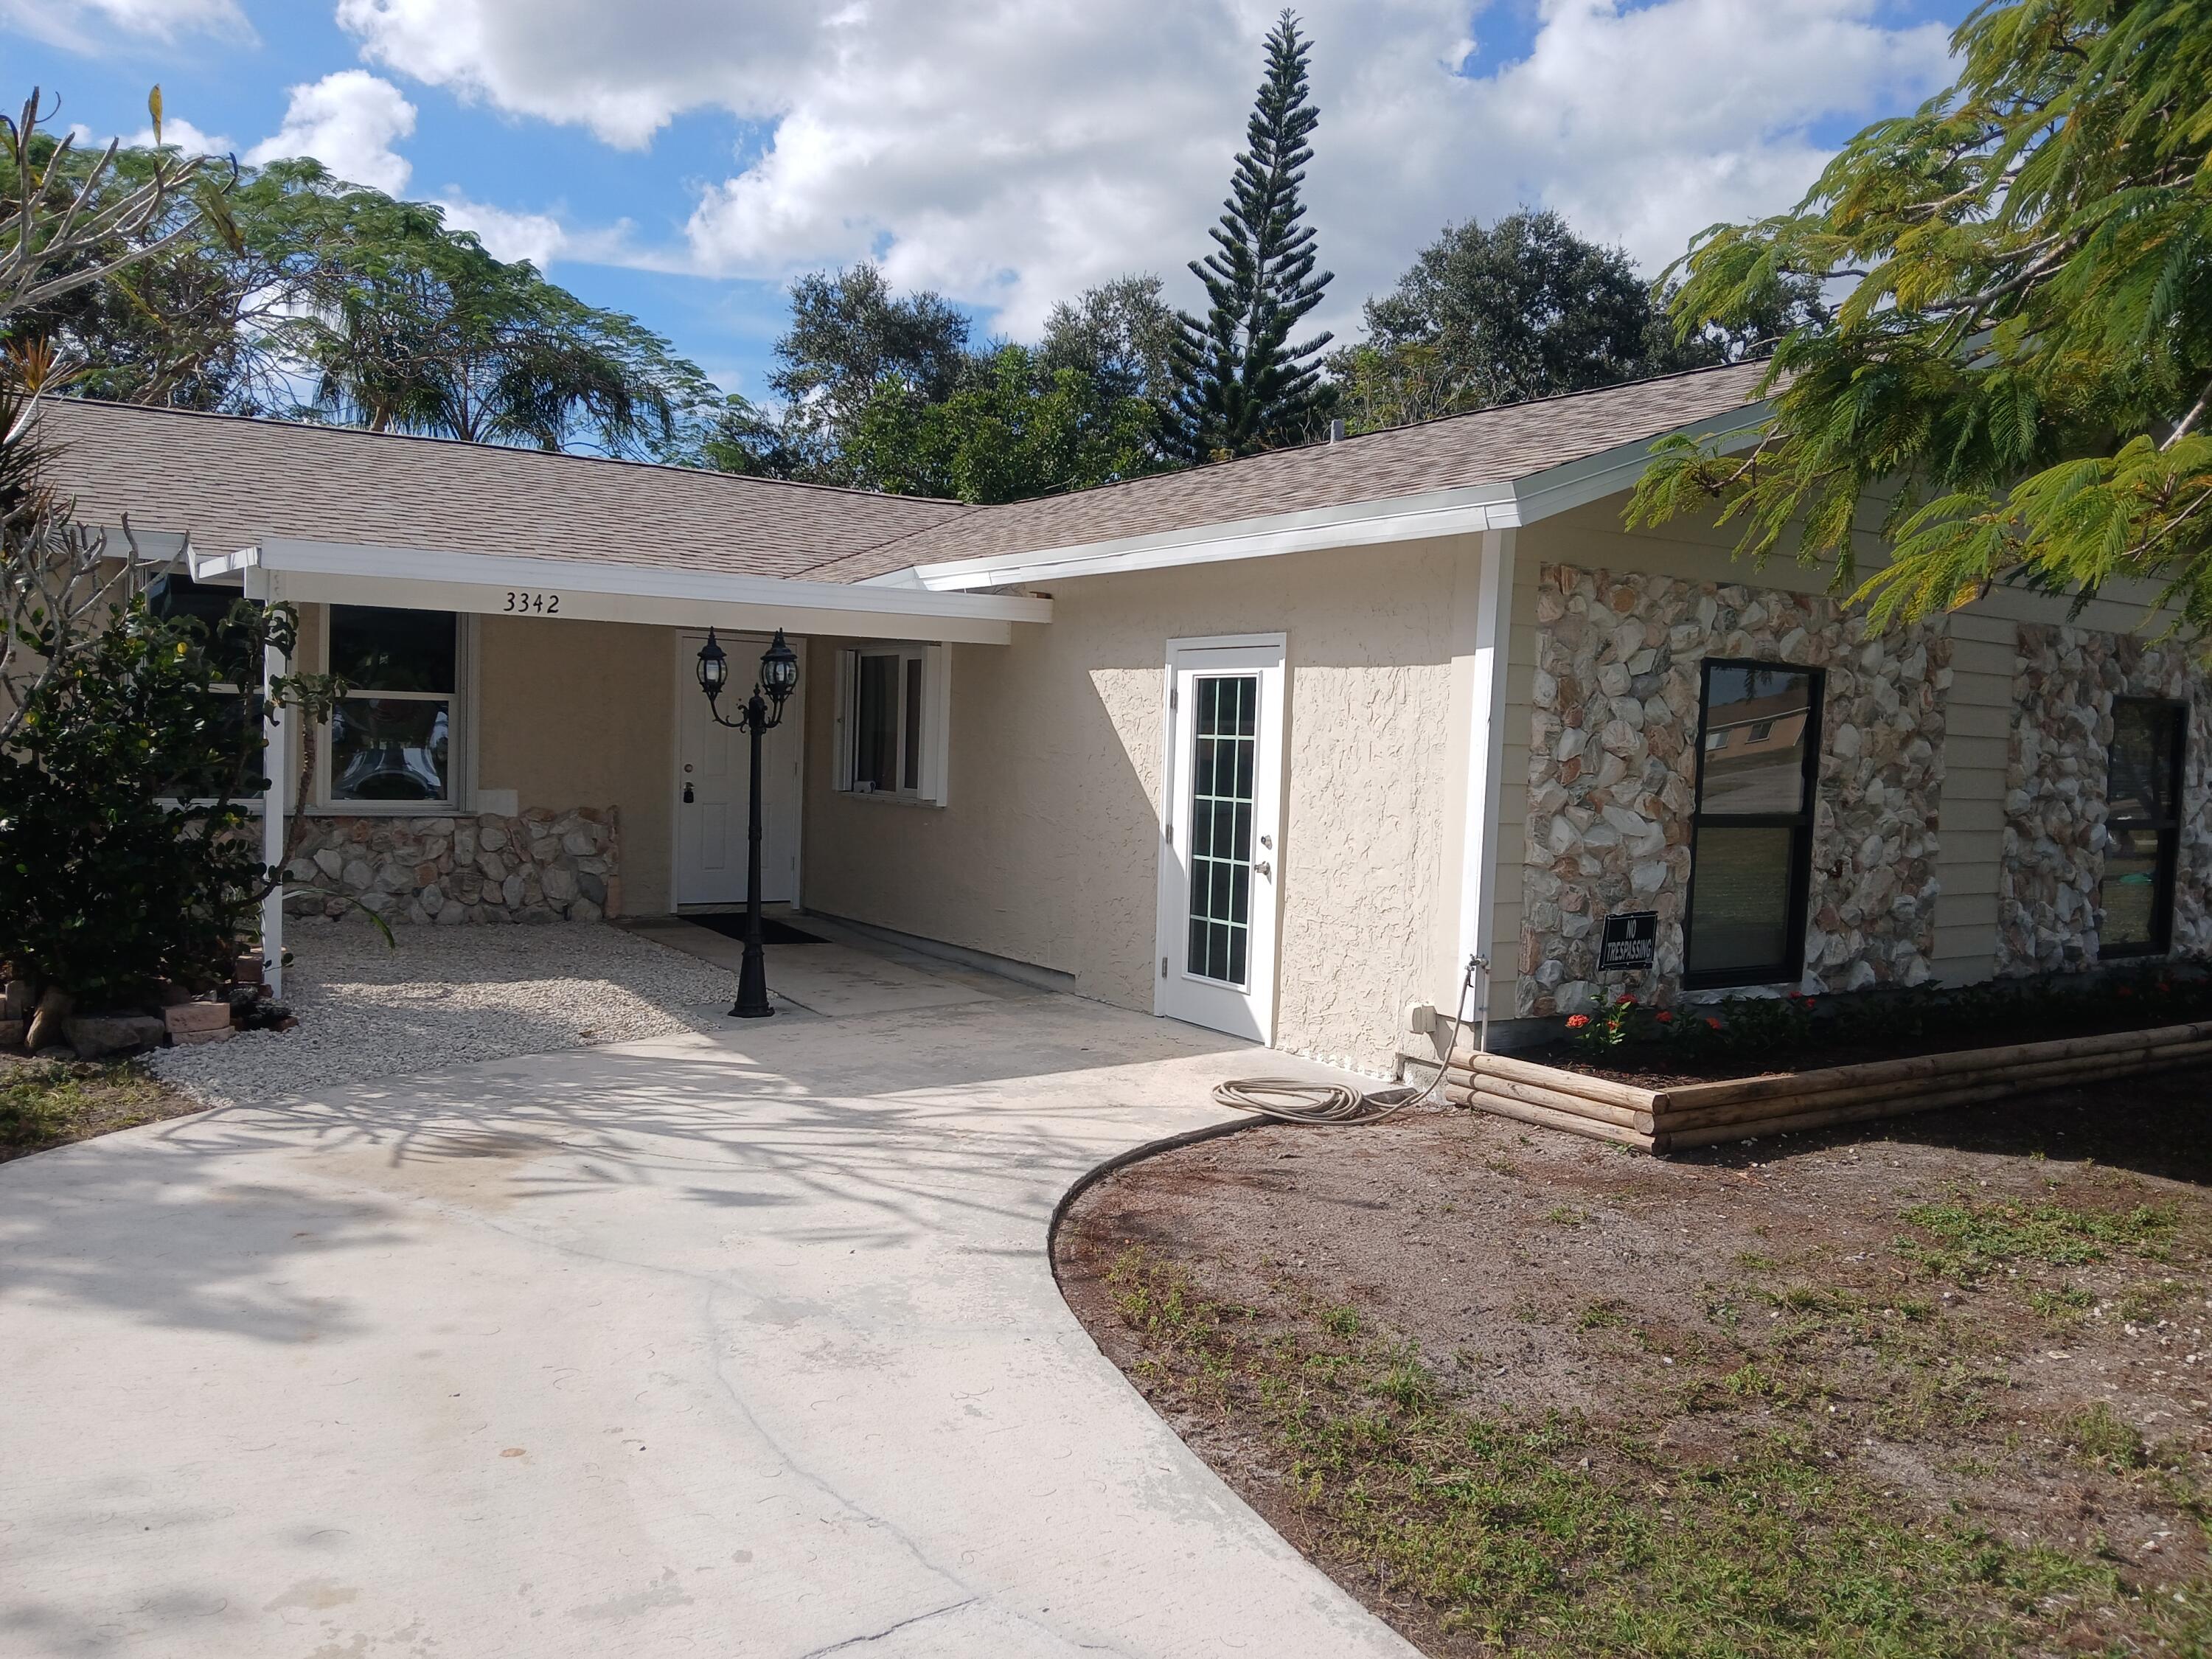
743, 1342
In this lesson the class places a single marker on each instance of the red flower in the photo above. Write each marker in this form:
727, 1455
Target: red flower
1665, 1018
1578, 1021
1710, 1021
2127, 990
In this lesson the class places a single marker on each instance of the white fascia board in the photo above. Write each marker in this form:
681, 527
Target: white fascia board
1359, 524
1560, 488
1438, 513
609, 591
213, 566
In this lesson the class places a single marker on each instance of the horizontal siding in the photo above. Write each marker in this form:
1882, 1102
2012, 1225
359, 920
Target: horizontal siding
1967, 910
1978, 719
1967, 849
1962, 753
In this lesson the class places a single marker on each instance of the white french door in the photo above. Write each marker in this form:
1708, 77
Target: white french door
1222, 824
712, 779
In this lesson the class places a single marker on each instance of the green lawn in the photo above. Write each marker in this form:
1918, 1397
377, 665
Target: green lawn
46, 1103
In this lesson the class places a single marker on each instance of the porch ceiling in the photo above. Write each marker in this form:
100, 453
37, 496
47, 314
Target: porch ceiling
421, 579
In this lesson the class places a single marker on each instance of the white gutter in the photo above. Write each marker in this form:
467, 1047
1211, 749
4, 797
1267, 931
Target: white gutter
1474, 508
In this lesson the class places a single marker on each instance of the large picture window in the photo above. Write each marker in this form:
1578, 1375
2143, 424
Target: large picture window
1758, 741
2142, 825
391, 735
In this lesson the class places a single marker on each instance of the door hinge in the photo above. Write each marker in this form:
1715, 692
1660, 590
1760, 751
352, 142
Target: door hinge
1170, 832
1171, 699
1163, 967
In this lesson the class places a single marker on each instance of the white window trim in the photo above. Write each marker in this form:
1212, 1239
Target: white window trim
932, 775
460, 732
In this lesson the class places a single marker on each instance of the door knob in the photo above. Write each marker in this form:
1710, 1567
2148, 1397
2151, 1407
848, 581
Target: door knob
1265, 868
687, 794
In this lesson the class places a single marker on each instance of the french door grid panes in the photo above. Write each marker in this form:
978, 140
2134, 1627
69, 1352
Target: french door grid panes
1224, 742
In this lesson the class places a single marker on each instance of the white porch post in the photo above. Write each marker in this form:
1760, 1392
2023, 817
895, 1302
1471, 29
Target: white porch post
276, 807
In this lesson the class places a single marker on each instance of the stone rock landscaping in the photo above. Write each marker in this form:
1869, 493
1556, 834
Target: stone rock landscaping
443, 996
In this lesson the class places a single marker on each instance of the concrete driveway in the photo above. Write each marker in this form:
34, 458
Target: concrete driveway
742, 1343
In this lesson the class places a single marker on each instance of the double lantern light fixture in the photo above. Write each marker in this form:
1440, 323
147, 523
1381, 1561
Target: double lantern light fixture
762, 711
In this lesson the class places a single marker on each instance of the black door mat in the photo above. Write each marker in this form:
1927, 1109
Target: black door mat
731, 924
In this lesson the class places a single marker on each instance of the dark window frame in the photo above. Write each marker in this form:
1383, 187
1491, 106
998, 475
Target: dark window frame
2166, 831
361, 693
1800, 822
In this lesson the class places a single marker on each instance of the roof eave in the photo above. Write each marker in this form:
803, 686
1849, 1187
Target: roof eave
1522, 500
494, 584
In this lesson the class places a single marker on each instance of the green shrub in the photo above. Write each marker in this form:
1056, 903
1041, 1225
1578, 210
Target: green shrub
128, 852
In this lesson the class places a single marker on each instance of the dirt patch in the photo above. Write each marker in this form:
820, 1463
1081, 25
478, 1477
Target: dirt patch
1937, 1387
48, 1103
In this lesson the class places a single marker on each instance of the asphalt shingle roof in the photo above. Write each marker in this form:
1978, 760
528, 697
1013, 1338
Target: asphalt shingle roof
231, 481
1488, 447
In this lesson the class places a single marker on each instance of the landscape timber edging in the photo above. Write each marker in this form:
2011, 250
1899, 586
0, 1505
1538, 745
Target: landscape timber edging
1686, 1115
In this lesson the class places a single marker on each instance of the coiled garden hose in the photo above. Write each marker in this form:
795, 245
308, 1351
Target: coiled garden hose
1292, 1100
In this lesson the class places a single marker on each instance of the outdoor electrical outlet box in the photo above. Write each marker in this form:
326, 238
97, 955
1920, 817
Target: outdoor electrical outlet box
1421, 1018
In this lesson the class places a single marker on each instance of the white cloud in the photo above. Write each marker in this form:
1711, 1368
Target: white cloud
348, 122
90, 26
184, 136
536, 237
1008, 152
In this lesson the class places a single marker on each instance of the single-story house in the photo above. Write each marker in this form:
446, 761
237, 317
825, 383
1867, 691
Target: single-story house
1272, 745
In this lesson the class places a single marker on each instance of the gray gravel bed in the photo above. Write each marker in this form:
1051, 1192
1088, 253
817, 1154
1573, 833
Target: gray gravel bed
446, 996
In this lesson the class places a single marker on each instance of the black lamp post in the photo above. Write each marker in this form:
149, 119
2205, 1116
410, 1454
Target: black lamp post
778, 677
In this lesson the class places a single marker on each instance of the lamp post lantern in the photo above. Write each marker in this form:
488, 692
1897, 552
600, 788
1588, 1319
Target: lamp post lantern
763, 709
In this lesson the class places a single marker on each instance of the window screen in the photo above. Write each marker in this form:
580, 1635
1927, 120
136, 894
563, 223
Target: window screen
1751, 847
876, 724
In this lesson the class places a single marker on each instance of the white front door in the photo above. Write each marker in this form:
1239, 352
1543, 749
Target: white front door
1219, 852
712, 764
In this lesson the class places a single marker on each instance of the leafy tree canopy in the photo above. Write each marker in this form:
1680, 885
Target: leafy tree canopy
1242, 385
849, 333
1526, 309
2026, 345
1015, 428
885, 393
315, 299
1121, 333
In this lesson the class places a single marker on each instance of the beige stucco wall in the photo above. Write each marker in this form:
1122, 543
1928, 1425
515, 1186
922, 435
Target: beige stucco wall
579, 714
1048, 850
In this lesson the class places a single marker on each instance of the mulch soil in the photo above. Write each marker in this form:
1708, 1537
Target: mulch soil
1648, 1065
1980, 1333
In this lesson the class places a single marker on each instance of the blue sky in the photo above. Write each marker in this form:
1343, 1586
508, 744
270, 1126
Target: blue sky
682, 159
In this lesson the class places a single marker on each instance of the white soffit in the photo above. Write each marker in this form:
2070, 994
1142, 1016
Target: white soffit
421, 579
1359, 524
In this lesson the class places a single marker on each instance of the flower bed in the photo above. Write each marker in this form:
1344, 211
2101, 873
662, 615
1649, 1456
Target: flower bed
1668, 1079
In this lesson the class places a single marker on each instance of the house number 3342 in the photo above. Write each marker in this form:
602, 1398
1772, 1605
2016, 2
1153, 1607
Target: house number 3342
544, 604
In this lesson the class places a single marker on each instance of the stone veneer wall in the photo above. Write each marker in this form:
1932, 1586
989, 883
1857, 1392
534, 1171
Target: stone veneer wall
539, 866
2053, 855
1612, 775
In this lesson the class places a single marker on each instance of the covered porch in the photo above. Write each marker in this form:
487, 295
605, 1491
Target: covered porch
525, 740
